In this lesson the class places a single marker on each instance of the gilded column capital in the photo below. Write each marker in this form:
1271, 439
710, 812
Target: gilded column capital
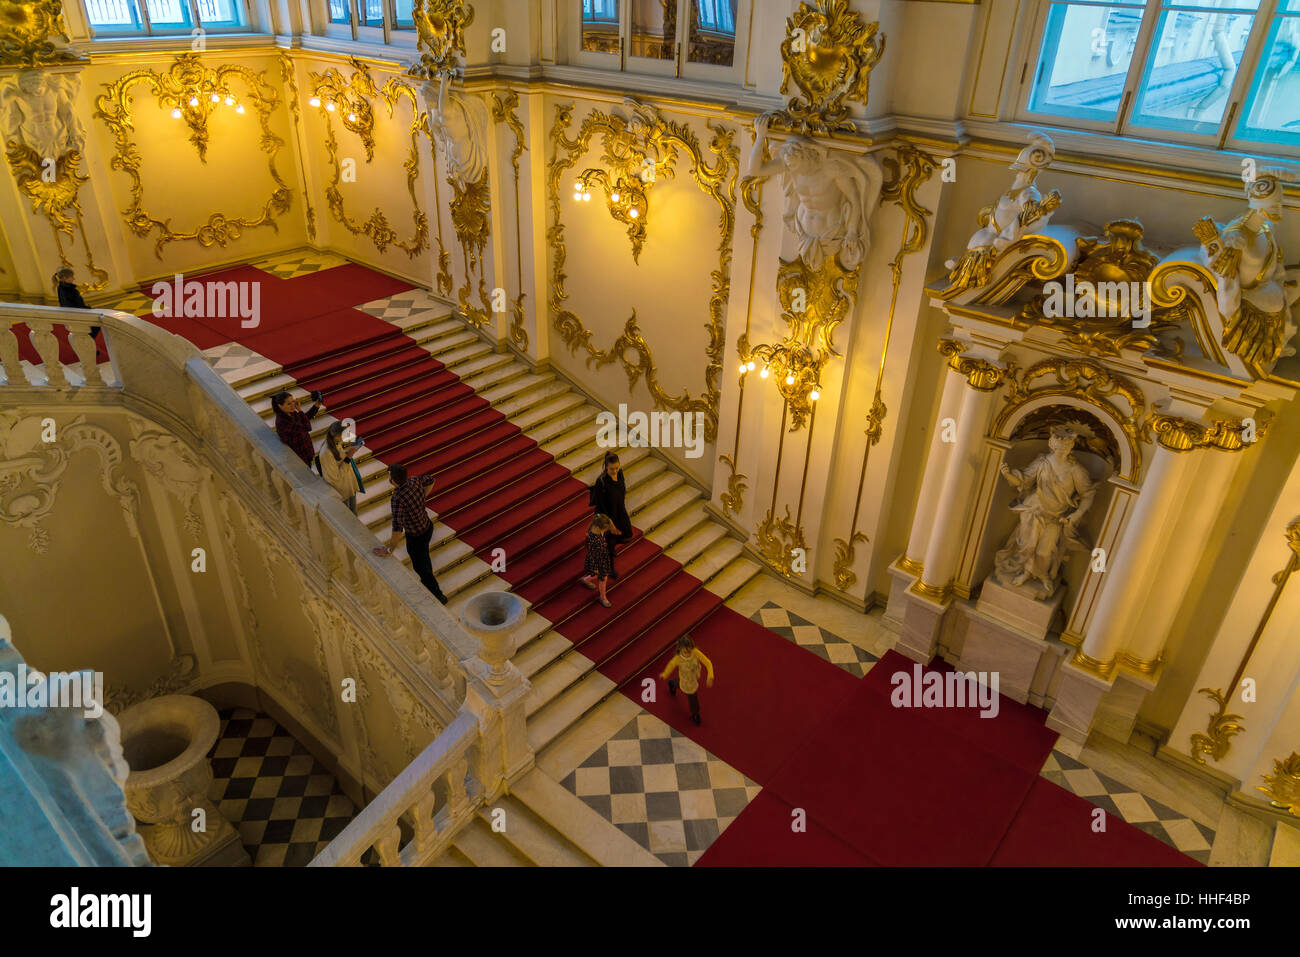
1178, 434
981, 374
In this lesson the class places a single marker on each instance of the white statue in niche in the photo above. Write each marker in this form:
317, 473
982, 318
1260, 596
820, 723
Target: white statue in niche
1056, 493
828, 197
39, 112
459, 124
1011, 217
1255, 294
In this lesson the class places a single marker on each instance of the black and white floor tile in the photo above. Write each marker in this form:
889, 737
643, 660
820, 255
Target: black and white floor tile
406, 309
232, 361
662, 789
285, 805
1146, 814
816, 639
302, 262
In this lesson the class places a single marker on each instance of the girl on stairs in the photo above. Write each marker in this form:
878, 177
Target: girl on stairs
688, 663
598, 564
336, 465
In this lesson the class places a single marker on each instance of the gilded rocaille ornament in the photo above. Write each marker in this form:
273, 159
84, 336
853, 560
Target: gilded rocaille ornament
828, 53
1283, 785
845, 556
440, 30
717, 180
733, 499
777, 540
1183, 435
33, 33
981, 375
184, 80
1217, 739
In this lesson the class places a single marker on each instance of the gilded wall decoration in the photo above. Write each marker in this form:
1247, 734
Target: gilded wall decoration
43, 134
349, 100
733, 499
179, 89
980, 374
1221, 726
33, 33
619, 134
440, 35
289, 76
1283, 785
503, 111
1183, 435
845, 556
828, 53
777, 539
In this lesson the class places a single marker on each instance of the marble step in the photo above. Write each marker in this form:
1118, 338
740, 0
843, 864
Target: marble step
553, 408
501, 392
668, 533
552, 719
715, 558
739, 573
583, 827
449, 343
692, 545
532, 837
551, 682
536, 654
484, 849
478, 358
580, 418
452, 857
662, 509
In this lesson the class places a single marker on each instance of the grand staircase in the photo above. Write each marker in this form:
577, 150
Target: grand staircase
506, 444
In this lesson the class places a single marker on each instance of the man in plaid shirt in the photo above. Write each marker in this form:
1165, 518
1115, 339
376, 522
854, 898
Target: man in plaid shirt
411, 520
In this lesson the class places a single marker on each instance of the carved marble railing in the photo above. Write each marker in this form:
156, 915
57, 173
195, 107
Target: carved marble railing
437, 794
380, 612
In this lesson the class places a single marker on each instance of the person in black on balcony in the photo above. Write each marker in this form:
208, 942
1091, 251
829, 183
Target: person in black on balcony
69, 295
609, 495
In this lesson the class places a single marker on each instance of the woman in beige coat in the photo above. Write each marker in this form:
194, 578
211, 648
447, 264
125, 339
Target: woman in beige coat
336, 465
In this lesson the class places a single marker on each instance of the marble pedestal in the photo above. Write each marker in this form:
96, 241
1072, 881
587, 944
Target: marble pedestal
922, 624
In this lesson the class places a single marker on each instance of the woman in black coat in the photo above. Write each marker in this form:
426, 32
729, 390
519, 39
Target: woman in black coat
610, 496
69, 294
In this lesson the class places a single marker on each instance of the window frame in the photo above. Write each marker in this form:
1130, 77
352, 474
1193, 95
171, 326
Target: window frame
679, 67
1125, 124
147, 29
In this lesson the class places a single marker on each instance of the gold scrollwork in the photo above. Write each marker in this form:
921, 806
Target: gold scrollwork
733, 499
440, 31
178, 85
1217, 739
980, 374
778, 539
718, 181
330, 89
1283, 785
1182, 435
845, 556
289, 76
33, 33
53, 199
503, 111
829, 53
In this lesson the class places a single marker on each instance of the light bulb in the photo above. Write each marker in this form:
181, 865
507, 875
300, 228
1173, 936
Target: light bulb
789, 380
750, 365
764, 372
239, 108
176, 114
330, 106
586, 197
633, 213
352, 117
614, 197
314, 101
743, 368
194, 101
577, 197
577, 187
230, 101
814, 395
216, 98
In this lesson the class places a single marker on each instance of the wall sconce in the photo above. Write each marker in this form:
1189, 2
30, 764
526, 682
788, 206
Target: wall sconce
195, 104
625, 197
796, 368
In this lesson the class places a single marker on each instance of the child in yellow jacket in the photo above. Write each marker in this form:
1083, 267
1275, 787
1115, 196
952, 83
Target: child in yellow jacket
688, 662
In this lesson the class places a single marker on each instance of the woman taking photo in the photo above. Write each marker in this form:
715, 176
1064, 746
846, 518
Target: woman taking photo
336, 465
609, 495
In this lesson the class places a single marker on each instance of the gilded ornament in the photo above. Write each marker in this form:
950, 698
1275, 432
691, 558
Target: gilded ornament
503, 111
1182, 435
440, 30
828, 53
518, 333
181, 84
733, 499
619, 135
1283, 785
777, 540
845, 556
1217, 739
33, 33
981, 375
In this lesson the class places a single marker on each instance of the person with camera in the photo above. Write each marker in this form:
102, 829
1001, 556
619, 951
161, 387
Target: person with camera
293, 425
336, 465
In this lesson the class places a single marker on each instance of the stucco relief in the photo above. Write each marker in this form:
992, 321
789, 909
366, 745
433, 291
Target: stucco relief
170, 462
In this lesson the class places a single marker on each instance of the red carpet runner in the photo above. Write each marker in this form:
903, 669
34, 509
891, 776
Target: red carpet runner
878, 784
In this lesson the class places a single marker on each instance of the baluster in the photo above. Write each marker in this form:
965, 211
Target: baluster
47, 345
87, 351
426, 831
387, 847
15, 376
457, 798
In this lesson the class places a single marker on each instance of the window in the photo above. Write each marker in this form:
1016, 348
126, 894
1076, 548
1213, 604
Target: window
1181, 67
381, 15
164, 16
653, 33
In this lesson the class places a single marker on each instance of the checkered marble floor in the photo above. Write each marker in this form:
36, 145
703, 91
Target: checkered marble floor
662, 789
284, 804
406, 308
235, 362
132, 301
300, 262
819, 641
1165, 824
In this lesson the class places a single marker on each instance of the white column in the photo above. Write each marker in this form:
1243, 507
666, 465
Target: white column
936, 464
952, 511
1137, 550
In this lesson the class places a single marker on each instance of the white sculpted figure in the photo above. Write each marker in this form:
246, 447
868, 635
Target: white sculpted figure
829, 198
459, 126
1056, 493
1011, 217
1255, 294
39, 112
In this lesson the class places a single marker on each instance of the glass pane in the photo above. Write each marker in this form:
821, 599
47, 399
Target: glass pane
221, 13
1190, 69
372, 13
713, 32
600, 25
1272, 113
1085, 59
654, 28
114, 14
340, 11
169, 14
404, 18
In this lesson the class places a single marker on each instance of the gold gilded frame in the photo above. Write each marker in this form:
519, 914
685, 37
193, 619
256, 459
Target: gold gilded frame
114, 107
718, 181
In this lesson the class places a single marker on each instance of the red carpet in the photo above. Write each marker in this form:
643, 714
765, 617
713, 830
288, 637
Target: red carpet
879, 784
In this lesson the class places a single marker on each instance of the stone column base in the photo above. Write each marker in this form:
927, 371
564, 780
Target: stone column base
922, 625
502, 721
1078, 695
900, 581
1118, 711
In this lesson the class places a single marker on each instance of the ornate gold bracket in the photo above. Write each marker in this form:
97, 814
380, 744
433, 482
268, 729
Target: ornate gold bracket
828, 53
981, 375
1283, 785
1183, 435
